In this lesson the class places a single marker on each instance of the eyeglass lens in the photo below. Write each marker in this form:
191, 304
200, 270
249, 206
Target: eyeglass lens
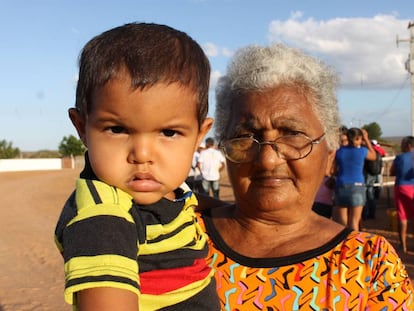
287, 147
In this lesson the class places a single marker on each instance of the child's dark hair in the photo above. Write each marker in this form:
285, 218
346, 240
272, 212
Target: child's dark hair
150, 54
353, 133
209, 142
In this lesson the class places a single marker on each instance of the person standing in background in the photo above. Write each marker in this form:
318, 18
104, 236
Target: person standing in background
373, 179
210, 163
403, 170
378, 148
324, 199
323, 204
194, 177
343, 137
350, 189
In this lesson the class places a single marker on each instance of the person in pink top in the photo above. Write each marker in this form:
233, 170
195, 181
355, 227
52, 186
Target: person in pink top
324, 198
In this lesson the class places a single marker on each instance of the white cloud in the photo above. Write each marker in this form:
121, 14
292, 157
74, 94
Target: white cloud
215, 75
227, 52
362, 50
210, 49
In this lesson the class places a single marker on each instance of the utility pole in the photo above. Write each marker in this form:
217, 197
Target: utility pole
409, 65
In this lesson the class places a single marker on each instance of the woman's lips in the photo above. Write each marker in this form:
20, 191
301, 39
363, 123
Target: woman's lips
272, 180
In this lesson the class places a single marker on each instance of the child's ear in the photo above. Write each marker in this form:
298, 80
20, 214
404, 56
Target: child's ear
78, 122
204, 128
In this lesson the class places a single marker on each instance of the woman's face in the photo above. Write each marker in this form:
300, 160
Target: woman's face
270, 188
357, 141
344, 140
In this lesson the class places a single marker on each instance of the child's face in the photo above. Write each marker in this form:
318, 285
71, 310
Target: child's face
142, 141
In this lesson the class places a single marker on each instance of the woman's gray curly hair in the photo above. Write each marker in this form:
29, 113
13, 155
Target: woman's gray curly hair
255, 68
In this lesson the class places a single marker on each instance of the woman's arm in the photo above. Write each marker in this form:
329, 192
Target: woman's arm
107, 299
372, 154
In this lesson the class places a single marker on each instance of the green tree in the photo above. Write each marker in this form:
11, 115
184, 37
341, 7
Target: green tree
7, 151
71, 146
374, 130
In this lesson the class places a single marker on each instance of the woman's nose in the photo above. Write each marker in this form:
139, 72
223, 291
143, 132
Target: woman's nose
268, 156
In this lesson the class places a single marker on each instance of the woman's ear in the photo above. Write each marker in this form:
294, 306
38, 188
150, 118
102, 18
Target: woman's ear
79, 123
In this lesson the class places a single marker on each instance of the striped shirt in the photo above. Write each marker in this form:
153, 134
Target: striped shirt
157, 251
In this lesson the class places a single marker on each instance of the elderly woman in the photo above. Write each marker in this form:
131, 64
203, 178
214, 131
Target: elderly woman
277, 124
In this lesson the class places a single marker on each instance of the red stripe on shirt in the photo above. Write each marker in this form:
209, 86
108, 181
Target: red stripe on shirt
162, 281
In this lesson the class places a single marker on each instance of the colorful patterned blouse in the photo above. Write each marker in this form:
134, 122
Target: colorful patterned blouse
354, 271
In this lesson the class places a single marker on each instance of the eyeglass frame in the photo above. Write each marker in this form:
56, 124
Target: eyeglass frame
273, 143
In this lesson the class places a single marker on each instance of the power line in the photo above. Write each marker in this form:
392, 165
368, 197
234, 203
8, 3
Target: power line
393, 100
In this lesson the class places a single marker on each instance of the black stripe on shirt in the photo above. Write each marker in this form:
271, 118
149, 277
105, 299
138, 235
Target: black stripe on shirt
100, 235
101, 278
174, 259
93, 191
172, 233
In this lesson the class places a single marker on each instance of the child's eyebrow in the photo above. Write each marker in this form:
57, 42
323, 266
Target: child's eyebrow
177, 126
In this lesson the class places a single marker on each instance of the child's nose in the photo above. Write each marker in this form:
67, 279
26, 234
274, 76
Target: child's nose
140, 150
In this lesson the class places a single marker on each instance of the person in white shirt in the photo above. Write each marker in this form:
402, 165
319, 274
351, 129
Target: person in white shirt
194, 176
210, 163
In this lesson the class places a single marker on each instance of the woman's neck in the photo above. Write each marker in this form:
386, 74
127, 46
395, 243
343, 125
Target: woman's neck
262, 238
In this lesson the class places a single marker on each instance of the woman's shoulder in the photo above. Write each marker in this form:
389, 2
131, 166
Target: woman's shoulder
368, 246
366, 238
405, 155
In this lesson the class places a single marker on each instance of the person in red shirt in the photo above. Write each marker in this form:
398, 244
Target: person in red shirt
378, 148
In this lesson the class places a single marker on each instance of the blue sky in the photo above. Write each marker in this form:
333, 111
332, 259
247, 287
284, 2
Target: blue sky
41, 40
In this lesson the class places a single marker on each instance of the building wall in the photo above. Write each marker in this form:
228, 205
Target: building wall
9, 165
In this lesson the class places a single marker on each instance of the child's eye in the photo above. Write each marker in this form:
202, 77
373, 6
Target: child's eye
169, 133
116, 129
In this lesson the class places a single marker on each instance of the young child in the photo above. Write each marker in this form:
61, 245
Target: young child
128, 234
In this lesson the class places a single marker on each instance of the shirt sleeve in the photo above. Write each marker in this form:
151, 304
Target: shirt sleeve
100, 243
391, 286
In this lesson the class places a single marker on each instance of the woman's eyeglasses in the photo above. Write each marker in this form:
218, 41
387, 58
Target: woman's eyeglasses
289, 147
